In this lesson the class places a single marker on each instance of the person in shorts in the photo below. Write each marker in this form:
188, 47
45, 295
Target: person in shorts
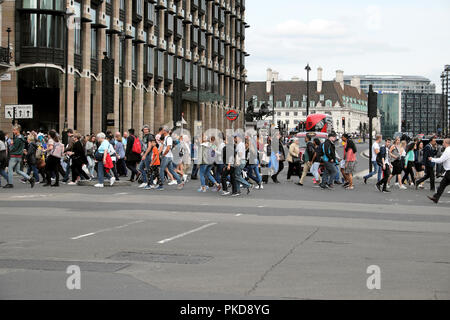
350, 161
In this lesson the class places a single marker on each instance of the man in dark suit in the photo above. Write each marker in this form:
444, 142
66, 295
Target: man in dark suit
429, 151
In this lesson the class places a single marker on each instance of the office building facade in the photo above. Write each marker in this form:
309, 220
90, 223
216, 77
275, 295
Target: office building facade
95, 65
393, 83
422, 113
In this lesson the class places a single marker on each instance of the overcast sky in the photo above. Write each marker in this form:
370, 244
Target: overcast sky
408, 37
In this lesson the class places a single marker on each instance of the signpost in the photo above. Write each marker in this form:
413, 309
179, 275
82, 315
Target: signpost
232, 115
18, 111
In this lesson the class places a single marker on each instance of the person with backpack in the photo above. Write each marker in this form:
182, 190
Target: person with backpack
329, 160
307, 159
16, 153
133, 155
3, 157
384, 162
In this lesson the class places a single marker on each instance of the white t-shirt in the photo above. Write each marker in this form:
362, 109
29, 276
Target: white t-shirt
240, 151
168, 142
2, 146
375, 147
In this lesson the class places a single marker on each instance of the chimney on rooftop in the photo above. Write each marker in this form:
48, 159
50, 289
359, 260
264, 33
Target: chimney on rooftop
319, 79
340, 78
356, 82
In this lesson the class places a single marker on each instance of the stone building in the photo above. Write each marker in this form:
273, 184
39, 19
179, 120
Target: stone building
95, 65
347, 104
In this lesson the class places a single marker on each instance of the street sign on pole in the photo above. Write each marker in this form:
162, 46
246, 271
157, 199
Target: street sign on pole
19, 111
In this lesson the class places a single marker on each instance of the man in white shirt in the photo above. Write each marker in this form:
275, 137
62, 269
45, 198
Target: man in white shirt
240, 161
167, 159
376, 167
445, 160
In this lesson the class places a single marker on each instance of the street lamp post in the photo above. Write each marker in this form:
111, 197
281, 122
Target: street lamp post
9, 48
273, 100
308, 69
67, 16
122, 37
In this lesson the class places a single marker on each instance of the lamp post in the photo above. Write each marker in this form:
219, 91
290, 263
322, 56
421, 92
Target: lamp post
67, 16
444, 120
270, 87
122, 38
308, 69
9, 48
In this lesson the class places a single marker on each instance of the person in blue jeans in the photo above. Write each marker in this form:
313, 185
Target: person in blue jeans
240, 162
16, 154
253, 164
376, 168
100, 156
167, 159
329, 159
144, 166
3, 157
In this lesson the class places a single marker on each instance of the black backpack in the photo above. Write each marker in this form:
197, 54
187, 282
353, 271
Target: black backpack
381, 155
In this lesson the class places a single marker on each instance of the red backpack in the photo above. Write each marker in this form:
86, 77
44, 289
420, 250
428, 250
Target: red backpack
137, 148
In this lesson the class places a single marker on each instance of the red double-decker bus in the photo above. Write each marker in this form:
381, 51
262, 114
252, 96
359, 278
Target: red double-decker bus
319, 123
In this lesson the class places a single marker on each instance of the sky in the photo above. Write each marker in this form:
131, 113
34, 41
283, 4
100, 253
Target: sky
405, 37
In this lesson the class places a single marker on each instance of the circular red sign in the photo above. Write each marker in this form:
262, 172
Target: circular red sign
232, 115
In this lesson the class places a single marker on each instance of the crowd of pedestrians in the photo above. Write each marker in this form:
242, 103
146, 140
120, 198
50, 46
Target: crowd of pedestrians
220, 163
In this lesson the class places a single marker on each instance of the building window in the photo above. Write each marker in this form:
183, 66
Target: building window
328, 103
296, 104
322, 97
287, 114
77, 28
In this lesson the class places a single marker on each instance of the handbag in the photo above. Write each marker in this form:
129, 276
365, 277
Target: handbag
40, 164
296, 159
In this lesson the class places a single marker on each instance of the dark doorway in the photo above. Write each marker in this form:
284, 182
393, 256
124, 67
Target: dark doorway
40, 87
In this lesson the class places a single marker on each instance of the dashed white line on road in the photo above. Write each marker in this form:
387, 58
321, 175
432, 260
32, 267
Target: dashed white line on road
239, 214
187, 233
261, 206
121, 194
105, 230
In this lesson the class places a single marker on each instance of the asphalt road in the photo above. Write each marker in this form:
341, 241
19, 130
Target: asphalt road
283, 242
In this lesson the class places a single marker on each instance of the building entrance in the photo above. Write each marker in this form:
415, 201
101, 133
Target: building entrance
40, 87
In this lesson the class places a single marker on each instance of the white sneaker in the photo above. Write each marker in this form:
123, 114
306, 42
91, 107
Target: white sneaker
185, 178
143, 185
388, 186
403, 188
99, 185
111, 182
72, 184
257, 187
397, 184
172, 183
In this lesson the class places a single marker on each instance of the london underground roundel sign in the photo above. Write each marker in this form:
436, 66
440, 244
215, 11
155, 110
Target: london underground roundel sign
232, 115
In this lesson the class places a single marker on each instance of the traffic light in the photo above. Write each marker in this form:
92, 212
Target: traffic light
372, 103
343, 122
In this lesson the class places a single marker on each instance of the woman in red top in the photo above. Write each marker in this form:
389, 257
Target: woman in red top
350, 161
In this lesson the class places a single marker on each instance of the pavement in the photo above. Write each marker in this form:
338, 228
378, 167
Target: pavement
283, 242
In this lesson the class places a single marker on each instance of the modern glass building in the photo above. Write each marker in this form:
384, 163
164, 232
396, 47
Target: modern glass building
422, 113
95, 65
389, 106
393, 83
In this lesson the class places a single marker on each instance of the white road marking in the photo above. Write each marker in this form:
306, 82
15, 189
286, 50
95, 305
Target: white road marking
83, 236
122, 194
105, 230
261, 206
187, 233
239, 214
